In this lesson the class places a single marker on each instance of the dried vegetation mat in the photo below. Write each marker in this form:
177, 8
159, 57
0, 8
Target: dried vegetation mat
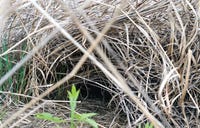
134, 61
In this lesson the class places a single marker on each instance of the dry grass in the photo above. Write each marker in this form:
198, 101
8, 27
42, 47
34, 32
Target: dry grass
144, 53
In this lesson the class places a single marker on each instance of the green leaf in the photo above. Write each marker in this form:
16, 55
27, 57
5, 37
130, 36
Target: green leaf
73, 96
77, 116
74, 92
85, 117
44, 115
57, 120
49, 117
151, 125
92, 123
73, 89
148, 125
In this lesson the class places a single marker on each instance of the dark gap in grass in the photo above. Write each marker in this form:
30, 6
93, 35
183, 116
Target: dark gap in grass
91, 91
89, 85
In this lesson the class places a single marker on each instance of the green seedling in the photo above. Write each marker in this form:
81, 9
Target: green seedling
83, 118
75, 118
147, 125
73, 96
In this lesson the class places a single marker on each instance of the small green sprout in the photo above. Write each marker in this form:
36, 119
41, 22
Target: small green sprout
85, 117
147, 125
74, 116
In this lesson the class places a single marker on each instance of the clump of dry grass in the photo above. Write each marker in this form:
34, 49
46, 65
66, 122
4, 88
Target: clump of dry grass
144, 53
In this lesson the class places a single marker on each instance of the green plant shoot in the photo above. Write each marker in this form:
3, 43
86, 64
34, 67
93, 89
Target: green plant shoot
73, 96
85, 117
49, 117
